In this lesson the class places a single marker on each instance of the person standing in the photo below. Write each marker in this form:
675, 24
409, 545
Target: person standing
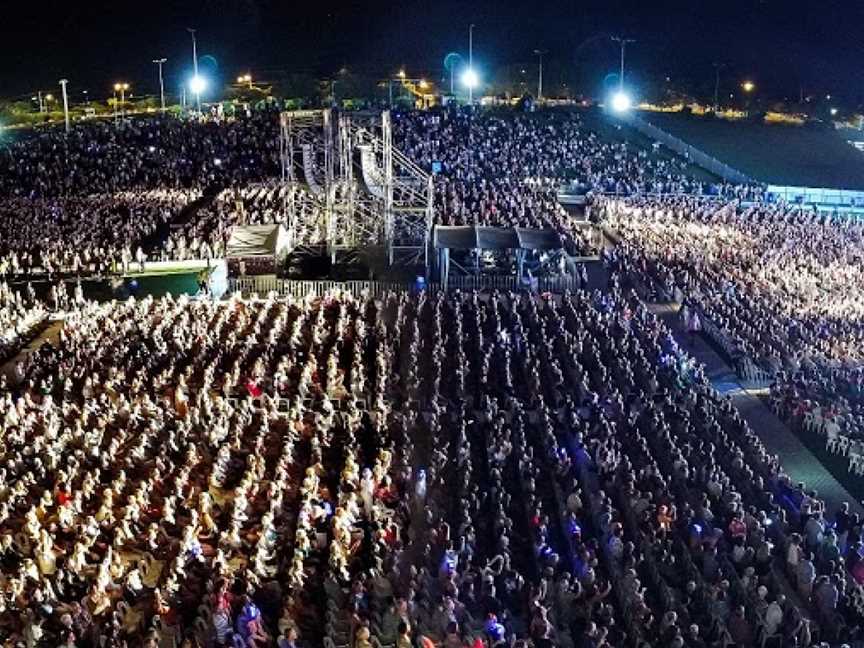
694, 325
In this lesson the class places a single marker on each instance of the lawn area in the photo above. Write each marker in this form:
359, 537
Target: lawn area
772, 153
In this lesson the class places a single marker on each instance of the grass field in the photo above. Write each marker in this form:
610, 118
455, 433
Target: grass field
772, 153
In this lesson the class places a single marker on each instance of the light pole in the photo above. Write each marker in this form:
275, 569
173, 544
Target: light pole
748, 87
540, 53
623, 42
195, 69
121, 88
717, 68
41, 104
471, 62
160, 62
63, 83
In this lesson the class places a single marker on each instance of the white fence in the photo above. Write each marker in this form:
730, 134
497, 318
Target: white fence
820, 198
751, 374
300, 289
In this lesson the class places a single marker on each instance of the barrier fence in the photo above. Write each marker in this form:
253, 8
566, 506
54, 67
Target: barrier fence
300, 289
693, 154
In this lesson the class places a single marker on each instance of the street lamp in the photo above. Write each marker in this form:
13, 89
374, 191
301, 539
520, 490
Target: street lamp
540, 54
623, 42
717, 68
160, 62
63, 83
197, 84
748, 86
470, 77
833, 112
121, 88
621, 102
470, 80
195, 69
245, 78
423, 84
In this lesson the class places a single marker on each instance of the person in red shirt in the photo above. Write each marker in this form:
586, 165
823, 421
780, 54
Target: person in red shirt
63, 496
737, 527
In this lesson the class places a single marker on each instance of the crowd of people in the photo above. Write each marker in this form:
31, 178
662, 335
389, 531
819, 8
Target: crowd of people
448, 469
85, 235
22, 317
142, 152
781, 284
108, 186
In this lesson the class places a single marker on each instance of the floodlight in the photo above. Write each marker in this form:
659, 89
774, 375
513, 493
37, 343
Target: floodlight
621, 102
197, 84
470, 78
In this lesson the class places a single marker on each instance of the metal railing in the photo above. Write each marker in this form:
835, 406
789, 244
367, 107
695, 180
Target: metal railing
750, 373
558, 284
301, 289
693, 154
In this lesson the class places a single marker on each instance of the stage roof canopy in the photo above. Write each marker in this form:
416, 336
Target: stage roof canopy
470, 237
257, 241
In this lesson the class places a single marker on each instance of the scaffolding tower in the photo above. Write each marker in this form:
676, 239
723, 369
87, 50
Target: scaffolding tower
368, 195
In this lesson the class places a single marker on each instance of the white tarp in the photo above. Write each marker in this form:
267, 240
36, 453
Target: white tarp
257, 240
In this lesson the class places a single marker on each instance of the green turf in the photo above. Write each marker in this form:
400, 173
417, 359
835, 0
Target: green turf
157, 285
771, 153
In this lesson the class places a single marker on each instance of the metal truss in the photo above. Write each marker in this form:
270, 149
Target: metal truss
369, 194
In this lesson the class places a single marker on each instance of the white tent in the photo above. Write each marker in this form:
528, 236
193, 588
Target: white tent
257, 241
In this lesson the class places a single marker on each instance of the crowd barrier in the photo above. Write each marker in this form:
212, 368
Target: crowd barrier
820, 198
750, 373
300, 289
694, 155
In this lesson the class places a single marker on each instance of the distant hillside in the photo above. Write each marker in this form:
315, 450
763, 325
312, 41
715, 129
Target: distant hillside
776, 154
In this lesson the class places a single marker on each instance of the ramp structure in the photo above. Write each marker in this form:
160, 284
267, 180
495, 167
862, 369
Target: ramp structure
367, 195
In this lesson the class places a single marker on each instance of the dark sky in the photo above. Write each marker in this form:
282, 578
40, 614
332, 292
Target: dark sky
778, 43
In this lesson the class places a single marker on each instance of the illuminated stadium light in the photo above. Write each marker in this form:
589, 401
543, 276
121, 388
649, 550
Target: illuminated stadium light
470, 79
621, 102
197, 84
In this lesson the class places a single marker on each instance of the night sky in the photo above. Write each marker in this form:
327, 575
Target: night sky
779, 44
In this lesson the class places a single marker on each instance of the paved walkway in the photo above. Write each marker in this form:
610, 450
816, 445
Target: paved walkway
50, 334
798, 462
